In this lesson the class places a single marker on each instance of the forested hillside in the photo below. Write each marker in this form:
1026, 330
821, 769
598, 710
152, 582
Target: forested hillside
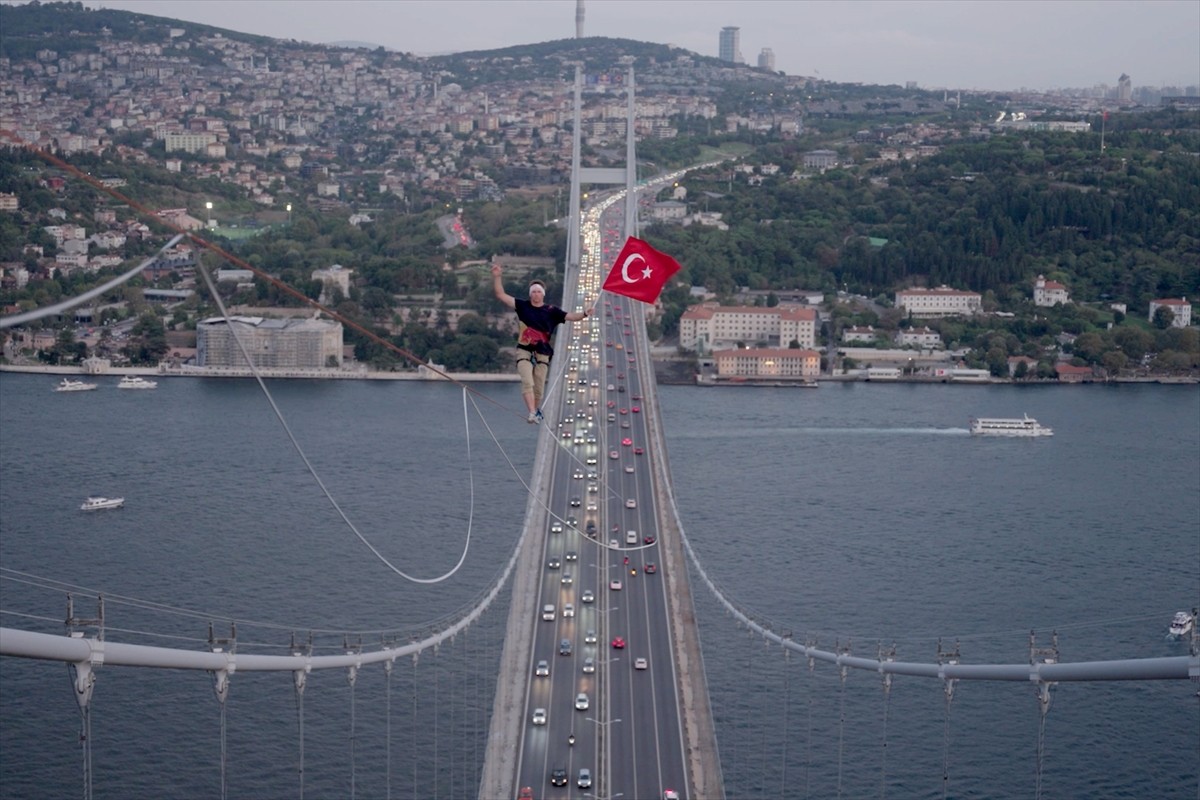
987, 215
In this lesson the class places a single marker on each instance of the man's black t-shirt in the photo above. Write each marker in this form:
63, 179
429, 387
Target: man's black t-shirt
537, 326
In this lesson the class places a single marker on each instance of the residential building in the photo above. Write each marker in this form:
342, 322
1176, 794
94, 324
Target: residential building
298, 343
708, 325
860, 334
1180, 307
1049, 293
336, 276
766, 59
923, 337
940, 302
768, 363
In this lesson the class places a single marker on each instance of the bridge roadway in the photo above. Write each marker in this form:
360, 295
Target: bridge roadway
644, 731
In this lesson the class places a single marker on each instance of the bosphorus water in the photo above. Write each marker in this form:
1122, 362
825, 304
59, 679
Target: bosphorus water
855, 515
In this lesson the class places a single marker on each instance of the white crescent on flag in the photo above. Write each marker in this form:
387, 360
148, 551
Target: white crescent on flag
625, 268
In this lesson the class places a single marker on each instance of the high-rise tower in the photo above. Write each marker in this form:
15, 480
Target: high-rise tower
578, 19
728, 47
1124, 88
766, 59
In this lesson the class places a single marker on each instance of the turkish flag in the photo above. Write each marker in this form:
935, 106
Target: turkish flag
640, 271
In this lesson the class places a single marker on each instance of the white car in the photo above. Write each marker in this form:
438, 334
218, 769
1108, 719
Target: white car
631, 503
588, 596
542, 670
614, 586
590, 637
568, 609
589, 665
539, 716
581, 701
640, 663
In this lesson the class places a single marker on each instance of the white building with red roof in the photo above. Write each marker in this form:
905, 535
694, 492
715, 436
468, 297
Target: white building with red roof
940, 302
1180, 307
710, 325
1049, 293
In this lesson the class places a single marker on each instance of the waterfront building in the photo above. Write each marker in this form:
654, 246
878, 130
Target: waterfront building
298, 343
1180, 307
768, 363
709, 325
940, 302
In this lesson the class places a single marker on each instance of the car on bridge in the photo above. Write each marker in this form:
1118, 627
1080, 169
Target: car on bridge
585, 778
539, 716
627, 441
553, 563
556, 527
637, 451
526, 793
542, 670
589, 665
640, 663
588, 596
618, 643
614, 455
651, 568
614, 585
631, 503
582, 702
558, 777
564, 647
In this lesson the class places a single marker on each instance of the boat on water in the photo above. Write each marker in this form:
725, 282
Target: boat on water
97, 503
1000, 426
136, 382
1181, 624
69, 385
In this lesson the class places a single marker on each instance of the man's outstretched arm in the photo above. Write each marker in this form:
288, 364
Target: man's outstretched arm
498, 288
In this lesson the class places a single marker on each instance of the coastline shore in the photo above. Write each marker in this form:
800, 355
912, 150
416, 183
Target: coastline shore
423, 374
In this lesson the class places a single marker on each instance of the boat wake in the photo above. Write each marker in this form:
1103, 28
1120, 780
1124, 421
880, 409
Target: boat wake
749, 433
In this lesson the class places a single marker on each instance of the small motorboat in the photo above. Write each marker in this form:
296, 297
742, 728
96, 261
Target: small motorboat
1181, 624
98, 503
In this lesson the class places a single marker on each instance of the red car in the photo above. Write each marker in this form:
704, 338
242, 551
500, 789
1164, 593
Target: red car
636, 409
651, 569
618, 643
637, 451
526, 793
648, 540
627, 441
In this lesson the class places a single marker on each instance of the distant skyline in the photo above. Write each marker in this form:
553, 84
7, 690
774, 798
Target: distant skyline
980, 44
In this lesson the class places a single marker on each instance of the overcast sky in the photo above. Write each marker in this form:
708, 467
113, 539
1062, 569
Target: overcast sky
966, 44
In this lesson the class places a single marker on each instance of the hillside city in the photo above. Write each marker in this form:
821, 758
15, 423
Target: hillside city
266, 136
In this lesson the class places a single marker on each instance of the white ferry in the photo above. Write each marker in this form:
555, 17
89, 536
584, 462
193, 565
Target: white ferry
136, 382
97, 503
1181, 625
69, 385
999, 426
